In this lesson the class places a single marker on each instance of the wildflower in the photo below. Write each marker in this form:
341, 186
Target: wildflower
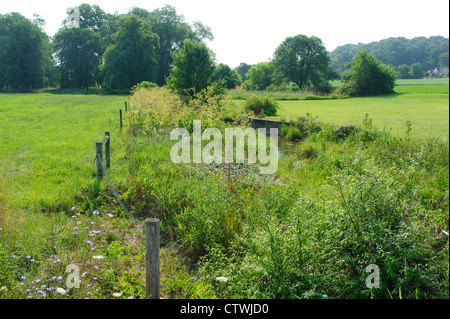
117, 294
73, 208
95, 212
83, 274
21, 284
222, 279
98, 257
130, 297
75, 228
95, 267
23, 277
60, 278
60, 291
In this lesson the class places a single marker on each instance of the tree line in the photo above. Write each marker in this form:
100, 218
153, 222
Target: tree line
93, 48
411, 57
117, 51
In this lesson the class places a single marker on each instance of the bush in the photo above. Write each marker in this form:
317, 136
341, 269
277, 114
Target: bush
261, 105
367, 76
344, 131
146, 85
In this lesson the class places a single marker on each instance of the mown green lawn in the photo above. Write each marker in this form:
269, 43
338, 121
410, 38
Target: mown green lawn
47, 142
428, 112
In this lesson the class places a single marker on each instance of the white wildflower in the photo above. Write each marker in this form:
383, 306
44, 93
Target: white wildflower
60, 291
98, 257
222, 279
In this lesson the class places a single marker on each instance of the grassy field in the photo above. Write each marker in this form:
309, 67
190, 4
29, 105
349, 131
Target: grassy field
425, 106
297, 234
48, 143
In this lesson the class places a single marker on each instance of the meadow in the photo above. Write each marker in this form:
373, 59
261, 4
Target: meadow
426, 106
337, 204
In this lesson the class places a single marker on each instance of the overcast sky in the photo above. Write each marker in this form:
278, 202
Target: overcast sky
249, 31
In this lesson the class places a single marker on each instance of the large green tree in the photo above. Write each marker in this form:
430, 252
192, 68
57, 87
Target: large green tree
172, 30
79, 46
230, 77
304, 60
194, 65
367, 76
78, 51
24, 52
260, 76
131, 58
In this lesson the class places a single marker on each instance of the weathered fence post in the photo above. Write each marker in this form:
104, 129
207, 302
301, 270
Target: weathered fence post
126, 106
98, 154
152, 258
120, 112
107, 152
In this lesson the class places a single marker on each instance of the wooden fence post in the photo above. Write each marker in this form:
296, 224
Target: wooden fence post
152, 258
126, 106
120, 112
107, 152
98, 154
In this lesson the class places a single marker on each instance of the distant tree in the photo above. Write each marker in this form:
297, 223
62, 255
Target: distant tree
79, 53
367, 76
90, 17
79, 46
395, 51
230, 77
404, 72
444, 60
417, 71
304, 61
242, 70
201, 31
24, 52
260, 76
193, 67
131, 58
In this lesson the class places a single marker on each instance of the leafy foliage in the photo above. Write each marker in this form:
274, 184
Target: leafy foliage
131, 58
395, 52
193, 67
304, 60
24, 53
261, 105
367, 76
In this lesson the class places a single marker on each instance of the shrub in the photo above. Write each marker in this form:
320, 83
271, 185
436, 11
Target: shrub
146, 85
344, 131
291, 133
261, 105
367, 76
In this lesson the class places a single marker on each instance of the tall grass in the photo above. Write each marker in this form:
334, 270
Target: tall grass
340, 201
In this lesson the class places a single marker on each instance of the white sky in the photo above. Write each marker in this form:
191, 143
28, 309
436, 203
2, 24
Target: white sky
249, 31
